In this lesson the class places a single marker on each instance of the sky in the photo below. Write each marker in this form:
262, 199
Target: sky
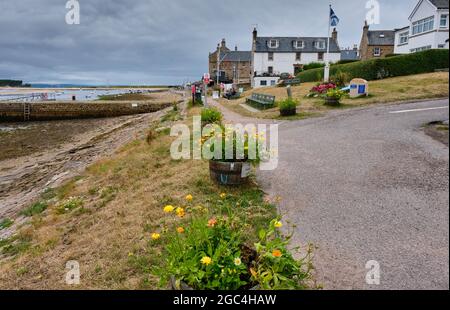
160, 42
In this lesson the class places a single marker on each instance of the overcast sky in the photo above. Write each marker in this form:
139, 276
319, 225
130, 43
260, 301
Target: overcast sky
159, 41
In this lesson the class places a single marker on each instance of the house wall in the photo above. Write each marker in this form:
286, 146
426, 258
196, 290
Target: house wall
244, 68
284, 62
401, 48
270, 81
433, 38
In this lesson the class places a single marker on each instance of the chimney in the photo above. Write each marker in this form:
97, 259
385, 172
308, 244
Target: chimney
334, 35
255, 34
366, 28
218, 47
224, 43
236, 48
355, 47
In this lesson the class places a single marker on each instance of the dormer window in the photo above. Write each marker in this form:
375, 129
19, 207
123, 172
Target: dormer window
273, 43
320, 45
299, 44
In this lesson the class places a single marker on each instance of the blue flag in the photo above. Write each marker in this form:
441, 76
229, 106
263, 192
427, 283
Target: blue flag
333, 18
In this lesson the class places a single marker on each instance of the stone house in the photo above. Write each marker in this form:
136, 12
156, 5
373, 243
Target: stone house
234, 65
376, 43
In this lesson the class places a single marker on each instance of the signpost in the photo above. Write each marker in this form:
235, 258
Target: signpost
206, 80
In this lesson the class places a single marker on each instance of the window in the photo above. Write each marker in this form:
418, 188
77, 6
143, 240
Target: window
377, 52
320, 56
404, 37
270, 70
273, 83
444, 18
320, 45
299, 44
420, 49
273, 43
423, 25
271, 56
263, 83
298, 56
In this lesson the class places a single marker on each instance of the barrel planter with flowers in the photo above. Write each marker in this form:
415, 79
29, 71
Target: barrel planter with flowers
333, 97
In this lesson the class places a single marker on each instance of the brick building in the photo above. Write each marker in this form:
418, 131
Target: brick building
234, 66
377, 43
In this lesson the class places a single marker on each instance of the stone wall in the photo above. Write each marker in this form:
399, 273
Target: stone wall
14, 111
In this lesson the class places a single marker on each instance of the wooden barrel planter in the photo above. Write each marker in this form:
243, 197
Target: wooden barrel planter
288, 112
229, 173
332, 101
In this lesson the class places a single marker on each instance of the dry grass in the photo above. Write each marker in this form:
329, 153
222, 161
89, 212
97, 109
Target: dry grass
415, 87
109, 232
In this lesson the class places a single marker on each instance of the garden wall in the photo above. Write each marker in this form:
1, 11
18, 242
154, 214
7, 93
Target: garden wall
376, 69
40, 111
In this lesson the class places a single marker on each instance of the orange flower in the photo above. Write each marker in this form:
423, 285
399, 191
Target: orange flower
212, 222
180, 212
277, 253
180, 230
189, 198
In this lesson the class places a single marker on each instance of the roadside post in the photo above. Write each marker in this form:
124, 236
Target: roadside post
206, 80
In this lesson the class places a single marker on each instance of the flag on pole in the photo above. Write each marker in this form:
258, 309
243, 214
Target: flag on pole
333, 18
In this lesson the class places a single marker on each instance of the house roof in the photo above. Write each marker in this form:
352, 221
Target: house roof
349, 54
235, 56
286, 45
440, 4
381, 37
400, 29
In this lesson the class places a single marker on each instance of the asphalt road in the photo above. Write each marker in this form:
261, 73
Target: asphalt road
367, 185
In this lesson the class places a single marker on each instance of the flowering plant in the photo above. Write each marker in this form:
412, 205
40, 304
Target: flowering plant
335, 94
321, 89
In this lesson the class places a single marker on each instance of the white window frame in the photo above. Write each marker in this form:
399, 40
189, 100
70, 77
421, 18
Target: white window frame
443, 17
403, 38
299, 46
420, 49
273, 43
423, 25
375, 53
271, 56
320, 45
298, 56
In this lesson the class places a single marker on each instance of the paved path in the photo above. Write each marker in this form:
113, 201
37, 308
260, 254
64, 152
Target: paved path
367, 184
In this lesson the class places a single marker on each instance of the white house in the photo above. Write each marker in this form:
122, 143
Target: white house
428, 28
272, 56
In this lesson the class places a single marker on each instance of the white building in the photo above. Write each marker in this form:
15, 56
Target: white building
272, 56
428, 28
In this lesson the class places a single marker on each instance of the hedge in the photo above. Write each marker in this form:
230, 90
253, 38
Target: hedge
381, 68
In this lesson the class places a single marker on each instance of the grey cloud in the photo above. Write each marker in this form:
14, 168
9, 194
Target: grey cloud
158, 41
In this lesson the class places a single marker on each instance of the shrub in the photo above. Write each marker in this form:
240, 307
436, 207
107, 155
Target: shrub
196, 103
288, 104
340, 79
346, 61
313, 65
335, 94
211, 116
321, 89
375, 69
36, 208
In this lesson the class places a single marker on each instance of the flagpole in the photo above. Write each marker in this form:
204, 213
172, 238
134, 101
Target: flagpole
327, 60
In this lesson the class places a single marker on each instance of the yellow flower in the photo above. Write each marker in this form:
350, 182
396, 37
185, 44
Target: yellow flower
277, 253
169, 209
237, 261
206, 261
278, 224
189, 198
180, 212
130, 254
156, 236
223, 195
180, 230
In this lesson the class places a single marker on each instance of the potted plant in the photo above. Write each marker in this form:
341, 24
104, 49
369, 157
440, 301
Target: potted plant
211, 116
333, 97
288, 107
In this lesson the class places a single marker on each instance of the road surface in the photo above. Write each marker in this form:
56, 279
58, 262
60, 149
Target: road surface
368, 185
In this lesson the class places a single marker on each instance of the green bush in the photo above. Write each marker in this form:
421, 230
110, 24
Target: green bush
346, 61
36, 208
313, 65
211, 116
288, 104
340, 79
381, 68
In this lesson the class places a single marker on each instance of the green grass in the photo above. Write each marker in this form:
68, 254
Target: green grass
35, 209
6, 223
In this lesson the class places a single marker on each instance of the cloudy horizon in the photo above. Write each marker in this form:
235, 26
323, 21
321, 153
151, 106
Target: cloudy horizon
156, 42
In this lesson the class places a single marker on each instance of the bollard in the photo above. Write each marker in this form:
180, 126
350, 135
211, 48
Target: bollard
289, 91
